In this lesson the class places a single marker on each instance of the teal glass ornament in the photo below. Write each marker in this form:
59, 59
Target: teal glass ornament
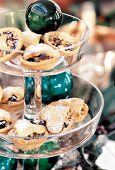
56, 87
43, 16
8, 163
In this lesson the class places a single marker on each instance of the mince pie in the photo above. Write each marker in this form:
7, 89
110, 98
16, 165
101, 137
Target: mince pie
40, 57
61, 41
55, 117
11, 41
30, 135
13, 98
6, 122
62, 115
78, 108
30, 38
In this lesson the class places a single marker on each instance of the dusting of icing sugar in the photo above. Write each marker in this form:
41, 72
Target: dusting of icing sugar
55, 111
23, 127
55, 117
30, 34
13, 90
40, 48
8, 89
55, 127
4, 115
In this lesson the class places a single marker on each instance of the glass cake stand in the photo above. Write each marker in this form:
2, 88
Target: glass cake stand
14, 74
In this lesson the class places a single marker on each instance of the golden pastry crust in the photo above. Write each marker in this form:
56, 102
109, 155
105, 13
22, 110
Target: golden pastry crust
13, 98
1, 93
9, 91
78, 108
11, 41
24, 129
12, 107
27, 145
61, 41
64, 114
30, 38
40, 57
5, 116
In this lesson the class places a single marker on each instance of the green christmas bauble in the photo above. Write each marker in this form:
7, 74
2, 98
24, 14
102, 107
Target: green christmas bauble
43, 16
56, 87
8, 163
47, 163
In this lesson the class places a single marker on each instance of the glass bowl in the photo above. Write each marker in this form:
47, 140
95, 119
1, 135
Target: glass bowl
60, 143
67, 60
13, 73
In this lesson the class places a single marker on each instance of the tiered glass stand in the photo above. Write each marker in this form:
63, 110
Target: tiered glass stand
14, 74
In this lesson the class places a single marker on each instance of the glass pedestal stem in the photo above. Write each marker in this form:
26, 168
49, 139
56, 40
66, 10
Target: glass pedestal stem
32, 97
30, 164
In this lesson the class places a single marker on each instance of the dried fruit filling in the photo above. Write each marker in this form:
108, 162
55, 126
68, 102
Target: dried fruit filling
3, 124
11, 40
13, 98
39, 58
60, 42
